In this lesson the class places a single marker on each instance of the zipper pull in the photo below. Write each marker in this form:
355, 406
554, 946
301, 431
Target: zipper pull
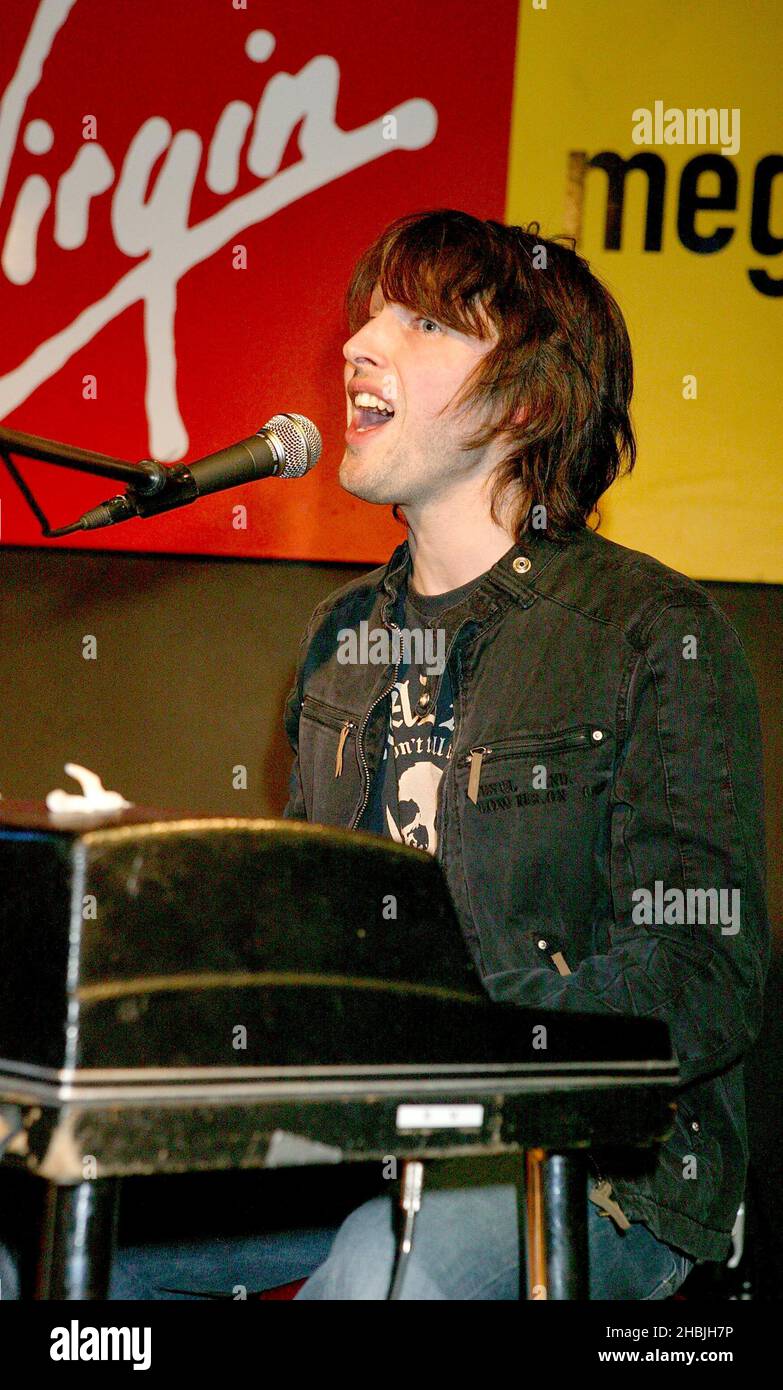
475, 758
338, 762
559, 960
600, 1197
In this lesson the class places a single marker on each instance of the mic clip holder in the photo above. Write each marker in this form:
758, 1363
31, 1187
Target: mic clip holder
179, 487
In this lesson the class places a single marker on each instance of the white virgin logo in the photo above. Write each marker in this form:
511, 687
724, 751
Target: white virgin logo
157, 227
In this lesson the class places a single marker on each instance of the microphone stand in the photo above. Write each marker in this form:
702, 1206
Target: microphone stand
145, 478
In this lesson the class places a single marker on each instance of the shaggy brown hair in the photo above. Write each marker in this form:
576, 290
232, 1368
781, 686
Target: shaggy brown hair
563, 354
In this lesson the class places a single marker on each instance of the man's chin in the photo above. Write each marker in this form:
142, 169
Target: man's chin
357, 480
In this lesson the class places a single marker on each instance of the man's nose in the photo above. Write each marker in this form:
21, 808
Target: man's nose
369, 344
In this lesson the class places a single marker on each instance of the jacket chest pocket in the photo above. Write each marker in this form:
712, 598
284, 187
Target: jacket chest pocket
327, 744
533, 817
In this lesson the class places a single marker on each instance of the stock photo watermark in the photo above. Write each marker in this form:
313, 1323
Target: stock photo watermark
695, 907
695, 125
377, 646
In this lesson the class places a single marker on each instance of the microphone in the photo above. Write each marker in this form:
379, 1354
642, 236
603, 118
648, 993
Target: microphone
287, 446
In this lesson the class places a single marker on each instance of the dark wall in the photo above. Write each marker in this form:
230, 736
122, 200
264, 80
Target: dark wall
194, 662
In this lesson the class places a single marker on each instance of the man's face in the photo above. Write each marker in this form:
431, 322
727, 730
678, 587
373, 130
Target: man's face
417, 365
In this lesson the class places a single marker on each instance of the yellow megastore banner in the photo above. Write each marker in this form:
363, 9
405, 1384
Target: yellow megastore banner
652, 134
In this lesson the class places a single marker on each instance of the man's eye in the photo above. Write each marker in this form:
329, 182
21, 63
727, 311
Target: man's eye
434, 324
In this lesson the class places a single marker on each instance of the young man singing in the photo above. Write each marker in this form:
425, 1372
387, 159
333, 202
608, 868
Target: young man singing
589, 743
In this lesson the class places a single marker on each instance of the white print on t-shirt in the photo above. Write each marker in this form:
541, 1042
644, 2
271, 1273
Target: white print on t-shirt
418, 782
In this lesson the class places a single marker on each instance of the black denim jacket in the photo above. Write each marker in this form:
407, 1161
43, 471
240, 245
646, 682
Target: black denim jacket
627, 685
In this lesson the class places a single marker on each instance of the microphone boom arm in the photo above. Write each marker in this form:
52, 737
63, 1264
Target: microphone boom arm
148, 476
145, 478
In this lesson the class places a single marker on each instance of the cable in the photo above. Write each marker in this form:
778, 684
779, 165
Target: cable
411, 1184
25, 491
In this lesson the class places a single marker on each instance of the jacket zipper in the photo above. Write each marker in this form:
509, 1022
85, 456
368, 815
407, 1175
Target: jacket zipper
454, 737
360, 736
344, 732
475, 757
324, 714
327, 716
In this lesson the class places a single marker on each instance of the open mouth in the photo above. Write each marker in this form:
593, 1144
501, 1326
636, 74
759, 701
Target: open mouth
370, 412
365, 418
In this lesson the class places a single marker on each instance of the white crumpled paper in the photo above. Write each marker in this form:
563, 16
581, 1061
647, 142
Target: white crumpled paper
94, 795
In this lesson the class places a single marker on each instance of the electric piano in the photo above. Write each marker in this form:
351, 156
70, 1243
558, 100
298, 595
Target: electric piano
191, 993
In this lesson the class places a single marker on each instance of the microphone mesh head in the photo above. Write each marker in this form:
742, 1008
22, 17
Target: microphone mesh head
300, 442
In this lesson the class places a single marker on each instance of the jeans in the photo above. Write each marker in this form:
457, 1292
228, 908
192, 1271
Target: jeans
231, 1268
466, 1246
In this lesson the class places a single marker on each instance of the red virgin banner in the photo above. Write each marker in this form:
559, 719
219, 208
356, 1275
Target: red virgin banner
184, 189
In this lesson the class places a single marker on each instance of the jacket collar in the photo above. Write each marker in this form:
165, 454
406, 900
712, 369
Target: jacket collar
514, 574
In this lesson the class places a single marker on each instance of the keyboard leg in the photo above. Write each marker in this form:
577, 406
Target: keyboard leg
564, 1181
77, 1240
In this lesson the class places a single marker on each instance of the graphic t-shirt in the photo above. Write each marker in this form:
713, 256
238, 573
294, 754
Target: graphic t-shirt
404, 794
